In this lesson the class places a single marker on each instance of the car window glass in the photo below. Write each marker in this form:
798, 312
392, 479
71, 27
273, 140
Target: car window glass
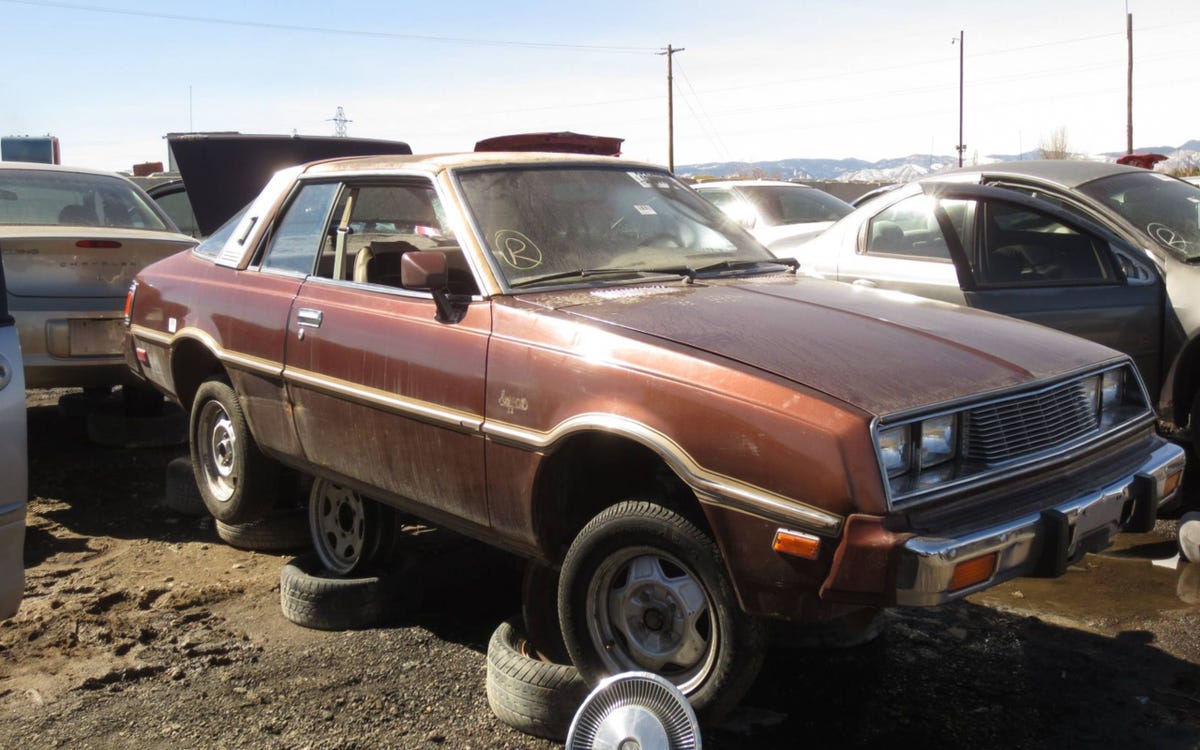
179, 208
1161, 207
385, 222
1024, 247
794, 204
297, 238
54, 198
729, 202
910, 228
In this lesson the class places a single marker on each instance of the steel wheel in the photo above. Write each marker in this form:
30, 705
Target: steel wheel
652, 613
237, 482
338, 522
218, 450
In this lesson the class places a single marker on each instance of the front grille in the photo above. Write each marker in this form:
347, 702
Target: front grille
1010, 429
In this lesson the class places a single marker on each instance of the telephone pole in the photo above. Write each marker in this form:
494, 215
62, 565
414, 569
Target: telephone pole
961, 147
1129, 85
669, 52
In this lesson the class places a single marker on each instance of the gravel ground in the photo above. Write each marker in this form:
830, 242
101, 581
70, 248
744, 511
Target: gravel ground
141, 629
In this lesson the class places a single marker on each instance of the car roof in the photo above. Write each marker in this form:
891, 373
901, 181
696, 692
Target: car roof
751, 183
440, 162
37, 166
1069, 173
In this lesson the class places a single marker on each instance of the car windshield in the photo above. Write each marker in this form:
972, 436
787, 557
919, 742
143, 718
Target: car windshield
1163, 208
564, 225
52, 198
779, 204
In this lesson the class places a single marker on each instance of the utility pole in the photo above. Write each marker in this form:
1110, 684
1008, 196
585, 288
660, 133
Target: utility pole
961, 147
1129, 85
669, 51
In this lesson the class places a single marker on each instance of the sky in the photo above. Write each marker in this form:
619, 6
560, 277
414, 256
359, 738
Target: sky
755, 80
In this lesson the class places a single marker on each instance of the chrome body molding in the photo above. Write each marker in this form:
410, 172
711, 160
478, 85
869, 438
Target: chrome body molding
1025, 545
711, 487
237, 359
409, 407
714, 488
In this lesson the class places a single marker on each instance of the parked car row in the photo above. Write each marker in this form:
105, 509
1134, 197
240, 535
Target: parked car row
585, 363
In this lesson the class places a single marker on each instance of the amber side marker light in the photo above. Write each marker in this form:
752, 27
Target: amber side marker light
973, 571
796, 544
1171, 483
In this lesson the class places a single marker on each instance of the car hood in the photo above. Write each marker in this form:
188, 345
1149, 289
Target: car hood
225, 171
882, 352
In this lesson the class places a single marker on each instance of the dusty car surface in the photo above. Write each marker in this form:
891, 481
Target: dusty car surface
14, 464
1104, 251
72, 240
580, 360
775, 211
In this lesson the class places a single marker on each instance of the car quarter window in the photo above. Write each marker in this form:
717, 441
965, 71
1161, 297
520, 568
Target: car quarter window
297, 238
380, 223
910, 228
1020, 246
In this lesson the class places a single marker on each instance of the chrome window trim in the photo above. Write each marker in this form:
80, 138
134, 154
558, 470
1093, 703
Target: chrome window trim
1015, 466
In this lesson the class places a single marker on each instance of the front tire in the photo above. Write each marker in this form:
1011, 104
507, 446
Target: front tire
238, 483
643, 588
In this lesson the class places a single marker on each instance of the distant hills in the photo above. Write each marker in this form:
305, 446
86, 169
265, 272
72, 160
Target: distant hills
902, 169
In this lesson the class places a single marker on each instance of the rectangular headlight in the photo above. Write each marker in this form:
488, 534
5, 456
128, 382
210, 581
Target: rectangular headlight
938, 440
895, 447
1112, 389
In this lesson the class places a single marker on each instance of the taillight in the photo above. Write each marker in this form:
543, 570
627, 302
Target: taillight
129, 301
106, 244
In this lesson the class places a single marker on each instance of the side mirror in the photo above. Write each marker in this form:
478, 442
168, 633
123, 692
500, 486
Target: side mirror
423, 270
426, 270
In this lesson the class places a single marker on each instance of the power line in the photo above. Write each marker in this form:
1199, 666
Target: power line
340, 32
706, 125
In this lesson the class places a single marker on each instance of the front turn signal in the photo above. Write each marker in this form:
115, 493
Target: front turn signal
797, 544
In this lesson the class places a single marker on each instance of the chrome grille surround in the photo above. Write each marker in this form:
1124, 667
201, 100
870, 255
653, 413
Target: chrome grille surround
1005, 434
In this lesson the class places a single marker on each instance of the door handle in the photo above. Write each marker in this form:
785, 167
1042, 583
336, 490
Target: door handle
309, 318
865, 282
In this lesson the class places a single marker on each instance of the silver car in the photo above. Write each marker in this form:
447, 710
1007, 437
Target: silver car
1107, 252
72, 240
14, 485
775, 211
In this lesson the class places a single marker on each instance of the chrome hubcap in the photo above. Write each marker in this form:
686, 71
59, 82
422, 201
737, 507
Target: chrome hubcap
218, 448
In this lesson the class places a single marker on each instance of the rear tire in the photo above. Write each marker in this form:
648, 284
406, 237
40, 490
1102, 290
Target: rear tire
238, 483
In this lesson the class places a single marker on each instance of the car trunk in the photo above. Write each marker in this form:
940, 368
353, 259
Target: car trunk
87, 262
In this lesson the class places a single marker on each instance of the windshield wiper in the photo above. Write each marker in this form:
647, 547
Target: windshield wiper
587, 272
732, 265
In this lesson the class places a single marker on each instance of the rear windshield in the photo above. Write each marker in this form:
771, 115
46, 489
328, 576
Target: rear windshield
36, 197
1163, 208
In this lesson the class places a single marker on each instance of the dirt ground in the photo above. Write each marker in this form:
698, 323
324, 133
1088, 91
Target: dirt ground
140, 629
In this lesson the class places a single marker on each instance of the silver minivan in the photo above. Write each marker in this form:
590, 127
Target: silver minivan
14, 466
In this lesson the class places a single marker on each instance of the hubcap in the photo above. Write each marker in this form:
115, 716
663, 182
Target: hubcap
647, 611
218, 451
338, 523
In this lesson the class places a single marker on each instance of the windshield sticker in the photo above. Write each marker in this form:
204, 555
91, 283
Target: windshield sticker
516, 250
650, 180
645, 210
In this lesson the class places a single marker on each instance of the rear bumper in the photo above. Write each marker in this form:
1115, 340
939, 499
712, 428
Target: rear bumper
1039, 544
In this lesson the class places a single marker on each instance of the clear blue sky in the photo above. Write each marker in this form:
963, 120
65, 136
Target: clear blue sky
756, 81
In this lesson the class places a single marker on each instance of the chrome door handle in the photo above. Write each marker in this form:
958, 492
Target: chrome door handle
309, 318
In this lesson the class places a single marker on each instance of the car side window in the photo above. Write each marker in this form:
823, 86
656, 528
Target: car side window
297, 238
910, 229
379, 224
1024, 247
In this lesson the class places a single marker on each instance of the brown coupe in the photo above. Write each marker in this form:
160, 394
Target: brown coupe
582, 361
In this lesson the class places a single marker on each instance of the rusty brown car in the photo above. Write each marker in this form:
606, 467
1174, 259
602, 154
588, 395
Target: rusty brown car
580, 360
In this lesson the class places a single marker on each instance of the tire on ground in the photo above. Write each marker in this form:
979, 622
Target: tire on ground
238, 483
313, 597
681, 620
182, 494
281, 530
539, 611
530, 695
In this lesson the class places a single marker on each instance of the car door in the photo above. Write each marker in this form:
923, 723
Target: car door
385, 395
13, 462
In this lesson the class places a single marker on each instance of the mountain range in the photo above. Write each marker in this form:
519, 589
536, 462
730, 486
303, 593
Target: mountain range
904, 168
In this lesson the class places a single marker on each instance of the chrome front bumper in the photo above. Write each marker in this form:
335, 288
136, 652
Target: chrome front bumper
1039, 544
